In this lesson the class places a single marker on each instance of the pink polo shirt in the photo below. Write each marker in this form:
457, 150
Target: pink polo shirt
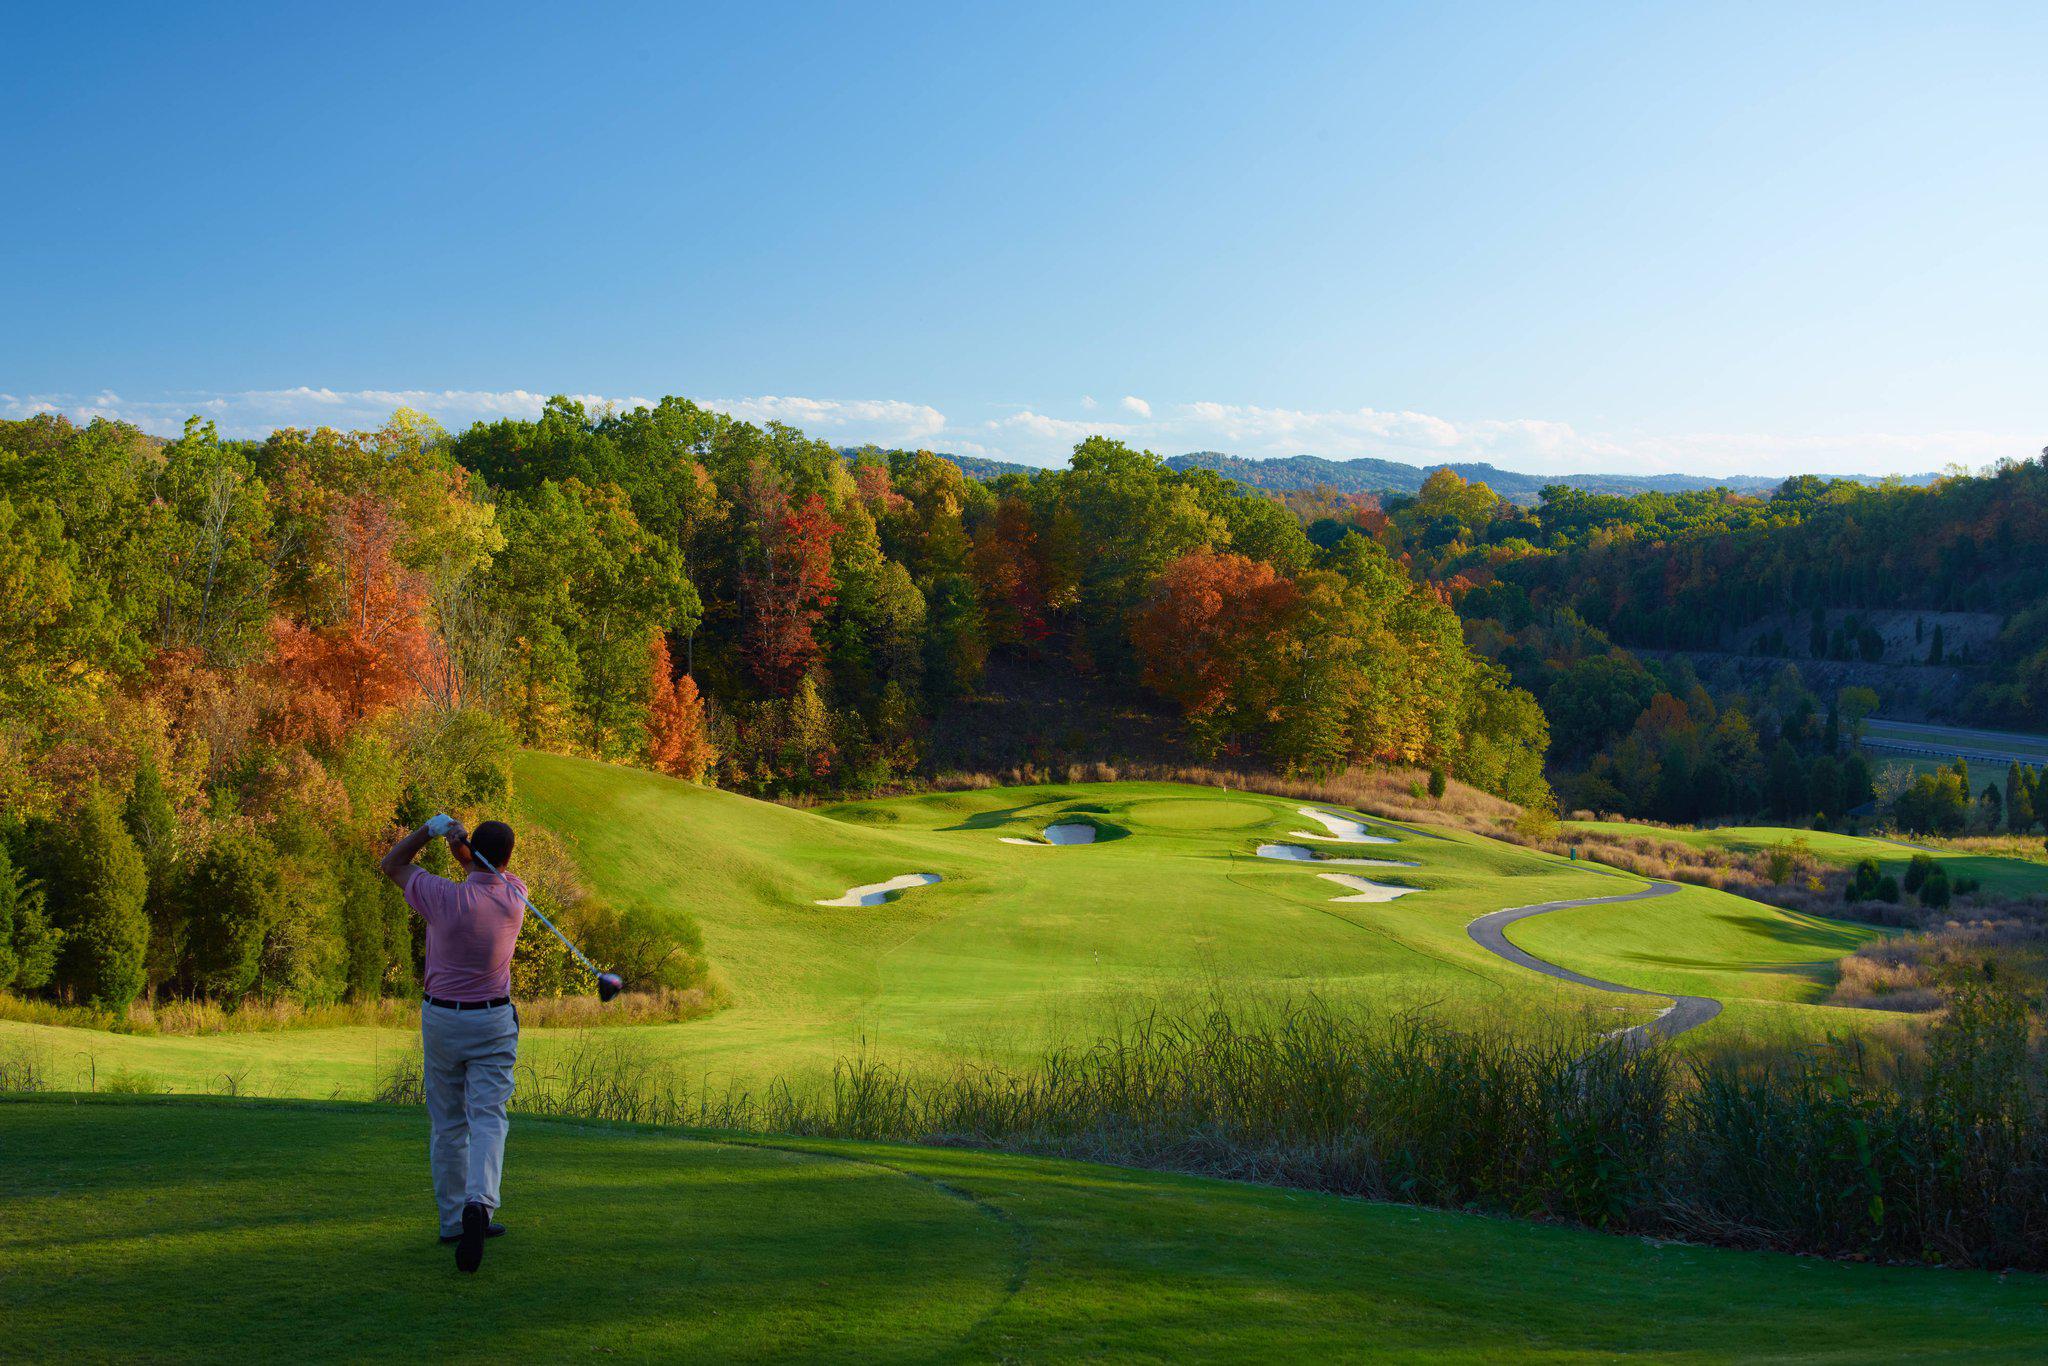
471, 928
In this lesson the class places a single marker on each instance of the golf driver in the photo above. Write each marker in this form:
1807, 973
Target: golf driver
609, 984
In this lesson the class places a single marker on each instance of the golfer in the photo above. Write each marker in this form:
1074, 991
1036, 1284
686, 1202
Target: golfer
469, 1029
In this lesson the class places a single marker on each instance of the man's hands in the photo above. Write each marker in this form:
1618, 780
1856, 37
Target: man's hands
445, 826
397, 861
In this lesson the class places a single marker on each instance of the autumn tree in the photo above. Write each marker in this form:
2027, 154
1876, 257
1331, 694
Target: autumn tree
787, 587
678, 741
368, 651
1214, 639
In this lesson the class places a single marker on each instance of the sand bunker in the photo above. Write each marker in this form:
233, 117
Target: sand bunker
1295, 853
875, 893
1367, 890
1067, 832
1343, 829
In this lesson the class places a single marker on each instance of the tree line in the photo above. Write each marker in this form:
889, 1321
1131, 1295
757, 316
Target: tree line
232, 666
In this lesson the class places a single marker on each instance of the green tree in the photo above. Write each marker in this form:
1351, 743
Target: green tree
2019, 800
28, 942
235, 895
150, 818
97, 883
1786, 790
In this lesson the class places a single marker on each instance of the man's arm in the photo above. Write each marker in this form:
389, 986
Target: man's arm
397, 861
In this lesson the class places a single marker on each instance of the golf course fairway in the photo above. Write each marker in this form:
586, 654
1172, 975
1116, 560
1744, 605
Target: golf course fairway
135, 1230
1014, 947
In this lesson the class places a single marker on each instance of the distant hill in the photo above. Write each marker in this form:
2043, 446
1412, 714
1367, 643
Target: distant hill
1367, 474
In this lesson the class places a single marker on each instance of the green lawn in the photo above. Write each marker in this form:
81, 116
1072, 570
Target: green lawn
235, 1231
1020, 946
1698, 942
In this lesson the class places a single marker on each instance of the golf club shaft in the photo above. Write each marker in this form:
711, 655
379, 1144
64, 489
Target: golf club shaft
587, 964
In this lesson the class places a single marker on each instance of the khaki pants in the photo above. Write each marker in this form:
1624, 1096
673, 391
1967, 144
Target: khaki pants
469, 1059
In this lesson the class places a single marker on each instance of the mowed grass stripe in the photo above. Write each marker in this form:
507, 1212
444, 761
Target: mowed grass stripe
230, 1232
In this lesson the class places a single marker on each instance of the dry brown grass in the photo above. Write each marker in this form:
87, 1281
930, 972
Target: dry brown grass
1909, 971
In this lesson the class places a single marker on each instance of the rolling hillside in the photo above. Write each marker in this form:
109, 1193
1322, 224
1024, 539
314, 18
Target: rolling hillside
1018, 946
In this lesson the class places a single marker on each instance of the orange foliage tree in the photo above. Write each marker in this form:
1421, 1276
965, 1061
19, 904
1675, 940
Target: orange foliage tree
678, 741
367, 656
1213, 637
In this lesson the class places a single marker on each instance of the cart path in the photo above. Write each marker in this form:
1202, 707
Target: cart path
1684, 1012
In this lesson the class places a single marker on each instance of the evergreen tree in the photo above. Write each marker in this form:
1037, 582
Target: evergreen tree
97, 884
149, 817
1990, 807
1787, 789
1857, 785
234, 897
28, 944
2019, 799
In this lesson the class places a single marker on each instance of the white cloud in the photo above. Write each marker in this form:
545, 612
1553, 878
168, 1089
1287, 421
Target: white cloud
255, 412
1531, 445
1063, 433
888, 422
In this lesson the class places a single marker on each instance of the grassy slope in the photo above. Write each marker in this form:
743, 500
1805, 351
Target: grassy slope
2005, 876
1020, 945
237, 1232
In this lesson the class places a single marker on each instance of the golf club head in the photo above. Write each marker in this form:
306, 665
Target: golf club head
609, 985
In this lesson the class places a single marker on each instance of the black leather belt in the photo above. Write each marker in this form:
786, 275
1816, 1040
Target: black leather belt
467, 1005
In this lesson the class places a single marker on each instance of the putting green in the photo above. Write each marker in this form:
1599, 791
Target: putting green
238, 1232
1200, 813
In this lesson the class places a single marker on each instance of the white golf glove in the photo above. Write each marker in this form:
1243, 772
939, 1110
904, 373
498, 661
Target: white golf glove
440, 824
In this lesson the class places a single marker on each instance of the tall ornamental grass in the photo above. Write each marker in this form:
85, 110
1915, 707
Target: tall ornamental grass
1935, 1155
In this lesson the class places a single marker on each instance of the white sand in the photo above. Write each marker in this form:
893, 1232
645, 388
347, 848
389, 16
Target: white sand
1340, 828
1295, 853
1367, 891
1068, 832
875, 893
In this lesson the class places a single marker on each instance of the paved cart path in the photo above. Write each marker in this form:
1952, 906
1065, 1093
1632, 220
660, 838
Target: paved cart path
1685, 1012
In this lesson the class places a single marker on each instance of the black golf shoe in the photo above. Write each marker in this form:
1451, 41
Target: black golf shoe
469, 1248
496, 1230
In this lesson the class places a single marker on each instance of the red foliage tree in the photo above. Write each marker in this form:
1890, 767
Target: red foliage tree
1011, 577
678, 741
1213, 635
786, 592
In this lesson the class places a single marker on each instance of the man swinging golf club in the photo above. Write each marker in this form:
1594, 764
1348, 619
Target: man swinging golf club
469, 1029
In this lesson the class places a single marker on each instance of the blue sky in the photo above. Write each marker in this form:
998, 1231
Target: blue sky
1709, 237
